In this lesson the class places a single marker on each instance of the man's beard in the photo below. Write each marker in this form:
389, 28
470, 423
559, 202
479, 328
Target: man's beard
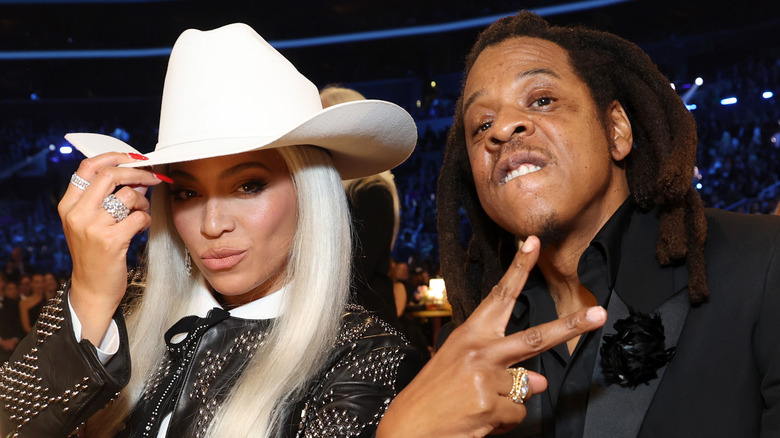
550, 231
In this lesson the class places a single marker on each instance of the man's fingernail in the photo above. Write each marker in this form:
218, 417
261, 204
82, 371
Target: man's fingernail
522, 246
527, 247
135, 156
596, 314
163, 178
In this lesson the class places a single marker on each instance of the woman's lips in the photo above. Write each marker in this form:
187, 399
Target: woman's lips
222, 258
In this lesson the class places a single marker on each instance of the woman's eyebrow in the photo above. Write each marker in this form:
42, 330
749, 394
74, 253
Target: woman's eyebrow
242, 167
179, 173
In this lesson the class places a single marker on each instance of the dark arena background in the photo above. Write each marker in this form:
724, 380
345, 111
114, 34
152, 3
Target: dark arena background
98, 66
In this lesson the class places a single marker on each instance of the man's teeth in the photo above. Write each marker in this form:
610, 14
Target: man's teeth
524, 169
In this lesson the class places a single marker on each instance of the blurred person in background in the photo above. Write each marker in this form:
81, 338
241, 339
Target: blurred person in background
375, 211
11, 331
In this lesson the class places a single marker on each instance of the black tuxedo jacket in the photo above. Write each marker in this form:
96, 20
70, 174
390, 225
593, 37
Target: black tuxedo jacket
724, 380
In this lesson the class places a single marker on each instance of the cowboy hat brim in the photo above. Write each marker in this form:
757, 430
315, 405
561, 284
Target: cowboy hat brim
364, 138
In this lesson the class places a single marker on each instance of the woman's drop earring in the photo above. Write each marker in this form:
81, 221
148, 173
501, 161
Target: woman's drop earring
187, 262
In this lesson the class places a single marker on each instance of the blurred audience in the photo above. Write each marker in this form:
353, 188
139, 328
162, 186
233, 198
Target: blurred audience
25, 286
30, 306
16, 266
10, 324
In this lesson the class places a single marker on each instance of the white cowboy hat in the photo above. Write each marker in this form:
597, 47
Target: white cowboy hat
228, 91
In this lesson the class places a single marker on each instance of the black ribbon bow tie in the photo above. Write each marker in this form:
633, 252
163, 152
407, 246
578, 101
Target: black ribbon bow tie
194, 327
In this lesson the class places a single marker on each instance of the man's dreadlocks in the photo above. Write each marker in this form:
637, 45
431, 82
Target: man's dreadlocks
659, 168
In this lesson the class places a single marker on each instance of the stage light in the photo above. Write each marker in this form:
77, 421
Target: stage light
767, 94
419, 104
52, 147
728, 101
433, 84
691, 106
690, 91
698, 186
673, 86
65, 150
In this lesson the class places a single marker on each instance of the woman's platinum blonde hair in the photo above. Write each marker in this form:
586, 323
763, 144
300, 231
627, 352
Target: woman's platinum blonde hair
298, 341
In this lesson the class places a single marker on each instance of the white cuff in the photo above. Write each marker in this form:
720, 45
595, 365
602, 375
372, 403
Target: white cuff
109, 345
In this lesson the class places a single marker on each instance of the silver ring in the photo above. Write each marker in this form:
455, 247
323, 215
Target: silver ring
520, 388
115, 207
79, 181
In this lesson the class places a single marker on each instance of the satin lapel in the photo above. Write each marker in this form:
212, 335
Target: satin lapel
641, 282
614, 411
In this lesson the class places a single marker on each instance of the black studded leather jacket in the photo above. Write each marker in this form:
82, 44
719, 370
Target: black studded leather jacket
53, 384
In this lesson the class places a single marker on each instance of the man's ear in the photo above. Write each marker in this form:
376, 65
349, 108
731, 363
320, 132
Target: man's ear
620, 130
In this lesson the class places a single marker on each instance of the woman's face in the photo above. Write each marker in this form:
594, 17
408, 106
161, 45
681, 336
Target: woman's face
237, 215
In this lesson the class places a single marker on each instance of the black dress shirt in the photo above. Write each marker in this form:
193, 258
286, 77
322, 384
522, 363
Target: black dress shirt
564, 404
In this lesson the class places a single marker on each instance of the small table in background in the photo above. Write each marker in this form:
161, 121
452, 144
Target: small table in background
434, 315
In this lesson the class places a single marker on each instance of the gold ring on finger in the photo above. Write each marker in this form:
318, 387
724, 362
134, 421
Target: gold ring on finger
520, 385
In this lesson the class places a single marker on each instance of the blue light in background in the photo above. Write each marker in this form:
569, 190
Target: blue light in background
321, 40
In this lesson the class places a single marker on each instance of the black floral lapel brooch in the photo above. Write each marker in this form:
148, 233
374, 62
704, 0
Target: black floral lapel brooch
635, 353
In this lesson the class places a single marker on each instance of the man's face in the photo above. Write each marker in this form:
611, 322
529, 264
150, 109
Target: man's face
50, 282
539, 152
25, 285
11, 291
37, 284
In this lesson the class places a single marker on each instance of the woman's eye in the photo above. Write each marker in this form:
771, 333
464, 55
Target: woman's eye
252, 187
183, 194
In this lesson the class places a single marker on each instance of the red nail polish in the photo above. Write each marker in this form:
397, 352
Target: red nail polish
163, 178
135, 156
